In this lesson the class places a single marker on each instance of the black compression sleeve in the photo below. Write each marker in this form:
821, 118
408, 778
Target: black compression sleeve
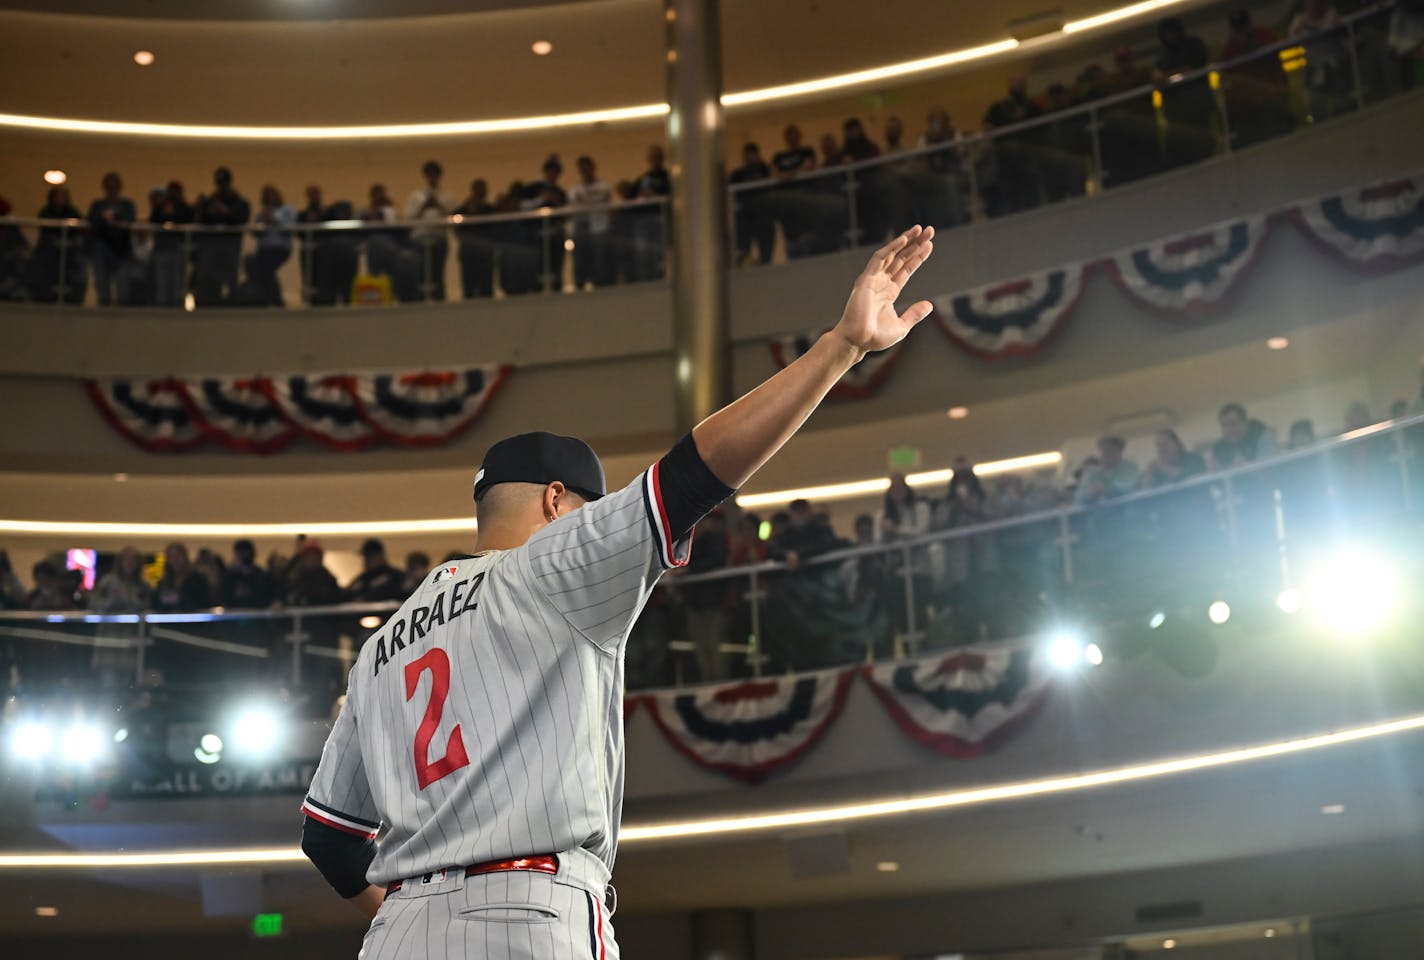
690, 489
342, 858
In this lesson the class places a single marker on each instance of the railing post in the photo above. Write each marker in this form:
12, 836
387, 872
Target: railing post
545, 268
1096, 142
1401, 456
142, 647
971, 173
754, 641
912, 629
1218, 97
187, 270
852, 215
1359, 86
1229, 499
308, 238
1065, 546
1281, 549
62, 291
296, 637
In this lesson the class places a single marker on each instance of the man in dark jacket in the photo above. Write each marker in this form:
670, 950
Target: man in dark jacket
378, 580
245, 585
218, 254
111, 220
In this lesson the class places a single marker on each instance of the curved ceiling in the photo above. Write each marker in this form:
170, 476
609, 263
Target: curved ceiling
279, 10
414, 69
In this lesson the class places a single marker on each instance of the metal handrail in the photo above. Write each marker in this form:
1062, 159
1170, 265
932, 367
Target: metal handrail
568, 212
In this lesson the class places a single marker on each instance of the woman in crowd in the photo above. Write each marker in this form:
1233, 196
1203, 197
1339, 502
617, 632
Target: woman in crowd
182, 587
1174, 462
123, 589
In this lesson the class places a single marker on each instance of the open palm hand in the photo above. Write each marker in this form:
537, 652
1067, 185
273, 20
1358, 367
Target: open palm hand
870, 321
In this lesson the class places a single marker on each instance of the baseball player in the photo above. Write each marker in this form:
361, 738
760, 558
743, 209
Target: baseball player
469, 796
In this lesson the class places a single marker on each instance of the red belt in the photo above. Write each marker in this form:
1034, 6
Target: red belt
544, 863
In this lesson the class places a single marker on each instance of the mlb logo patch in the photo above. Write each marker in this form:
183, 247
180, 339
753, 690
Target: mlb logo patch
444, 573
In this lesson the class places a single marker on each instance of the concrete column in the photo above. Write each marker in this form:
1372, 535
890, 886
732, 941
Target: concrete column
722, 935
699, 216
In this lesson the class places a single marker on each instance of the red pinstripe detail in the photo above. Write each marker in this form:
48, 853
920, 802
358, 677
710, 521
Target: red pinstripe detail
363, 834
664, 528
602, 947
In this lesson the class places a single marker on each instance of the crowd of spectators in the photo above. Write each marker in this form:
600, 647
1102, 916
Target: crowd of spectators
1154, 115
986, 583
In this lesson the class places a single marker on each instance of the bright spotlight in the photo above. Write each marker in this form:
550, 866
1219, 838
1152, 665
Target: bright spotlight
1064, 649
121, 734
1219, 612
1354, 593
210, 743
1290, 600
1093, 654
371, 622
254, 731
55, 177
82, 744
31, 740
1157, 619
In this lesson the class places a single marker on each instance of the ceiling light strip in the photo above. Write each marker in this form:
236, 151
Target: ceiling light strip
638, 113
805, 816
866, 488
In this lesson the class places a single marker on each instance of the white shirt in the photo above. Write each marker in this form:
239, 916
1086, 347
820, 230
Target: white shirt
413, 211
589, 195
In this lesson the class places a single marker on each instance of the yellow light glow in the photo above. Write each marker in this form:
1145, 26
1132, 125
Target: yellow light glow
858, 78
55, 177
180, 531
646, 111
144, 58
541, 48
805, 816
1118, 14
865, 488
958, 413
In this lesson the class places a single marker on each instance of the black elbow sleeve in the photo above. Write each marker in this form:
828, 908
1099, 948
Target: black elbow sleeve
689, 488
342, 858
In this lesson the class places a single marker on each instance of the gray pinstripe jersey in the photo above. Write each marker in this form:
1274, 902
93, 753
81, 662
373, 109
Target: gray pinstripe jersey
484, 720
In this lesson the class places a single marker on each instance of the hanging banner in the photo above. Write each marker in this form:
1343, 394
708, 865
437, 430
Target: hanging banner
427, 408
859, 382
265, 414
1379, 227
1192, 271
749, 730
238, 412
964, 703
1013, 318
152, 413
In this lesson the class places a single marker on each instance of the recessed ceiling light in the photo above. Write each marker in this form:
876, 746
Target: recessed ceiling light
1333, 809
144, 58
542, 48
1270, 932
121, 478
55, 177
958, 413
887, 866
1277, 343
1169, 944
46, 911
370, 623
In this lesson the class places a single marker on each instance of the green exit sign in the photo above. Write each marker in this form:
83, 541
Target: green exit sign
267, 925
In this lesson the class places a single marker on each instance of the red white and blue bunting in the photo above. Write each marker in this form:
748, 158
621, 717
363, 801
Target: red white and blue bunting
964, 703
1187, 273
1011, 318
265, 414
1379, 227
749, 730
859, 382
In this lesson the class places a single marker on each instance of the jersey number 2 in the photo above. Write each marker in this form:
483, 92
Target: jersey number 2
438, 663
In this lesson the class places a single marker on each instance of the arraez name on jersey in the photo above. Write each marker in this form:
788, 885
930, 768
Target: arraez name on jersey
448, 604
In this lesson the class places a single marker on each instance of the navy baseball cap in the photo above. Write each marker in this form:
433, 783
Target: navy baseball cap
542, 458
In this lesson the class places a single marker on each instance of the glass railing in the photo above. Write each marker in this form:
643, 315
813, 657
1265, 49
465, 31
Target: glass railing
1110, 139
1141, 565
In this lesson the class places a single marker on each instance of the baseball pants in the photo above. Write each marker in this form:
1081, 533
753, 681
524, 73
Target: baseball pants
512, 915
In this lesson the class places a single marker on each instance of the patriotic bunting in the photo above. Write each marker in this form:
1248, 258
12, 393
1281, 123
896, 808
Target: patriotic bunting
1012, 318
1189, 272
1379, 227
265, 414
965, 703
238, 413
154, 414
860, 381
751, 729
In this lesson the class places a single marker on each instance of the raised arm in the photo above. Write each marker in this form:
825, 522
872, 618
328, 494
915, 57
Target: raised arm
735, 441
